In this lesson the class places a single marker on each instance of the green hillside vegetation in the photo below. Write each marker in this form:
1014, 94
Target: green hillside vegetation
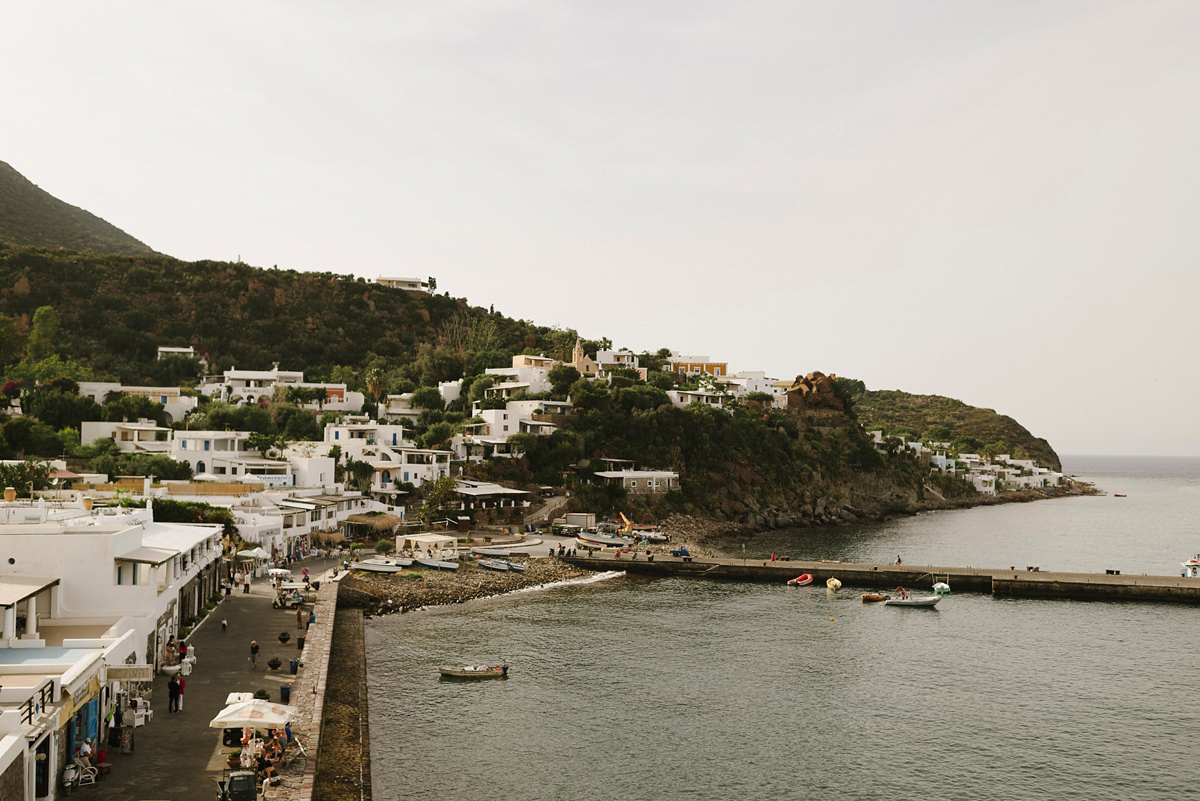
970, 429
32, 216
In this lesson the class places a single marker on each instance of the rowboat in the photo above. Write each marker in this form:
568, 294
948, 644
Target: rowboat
517, 567
474, 671
493, 564
925, 601
800, 581
437, 564
591, 545
833, 583
873, 597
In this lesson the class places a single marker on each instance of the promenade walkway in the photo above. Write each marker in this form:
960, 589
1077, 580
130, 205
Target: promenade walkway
177, 756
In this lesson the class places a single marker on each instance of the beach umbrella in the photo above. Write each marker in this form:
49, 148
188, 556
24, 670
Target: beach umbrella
252, 713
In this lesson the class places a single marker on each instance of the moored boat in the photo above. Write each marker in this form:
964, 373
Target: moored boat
380, 565
493, 564
1191, 568
437, 564
833, 583
474, 671
925, 601
600, 540
518, 567
493, 552
874, 597
801, 581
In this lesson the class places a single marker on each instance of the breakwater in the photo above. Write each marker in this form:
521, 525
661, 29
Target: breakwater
1013, 582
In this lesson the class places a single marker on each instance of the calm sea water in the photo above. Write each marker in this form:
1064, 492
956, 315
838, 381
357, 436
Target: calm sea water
632, 688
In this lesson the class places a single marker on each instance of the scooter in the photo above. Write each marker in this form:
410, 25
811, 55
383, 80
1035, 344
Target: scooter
70, 778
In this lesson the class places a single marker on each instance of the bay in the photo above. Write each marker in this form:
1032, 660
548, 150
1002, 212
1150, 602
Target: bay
685, 689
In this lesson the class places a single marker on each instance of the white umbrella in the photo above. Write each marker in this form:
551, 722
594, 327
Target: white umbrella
260, 553
252, 713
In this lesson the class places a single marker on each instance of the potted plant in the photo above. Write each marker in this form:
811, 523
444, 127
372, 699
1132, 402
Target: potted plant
235, 758
274, 662
284, 637
263, 695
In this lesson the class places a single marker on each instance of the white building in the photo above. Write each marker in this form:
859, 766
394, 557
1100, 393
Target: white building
248, 387
144, 436
176, 404
226, 454
411, 284
395, 459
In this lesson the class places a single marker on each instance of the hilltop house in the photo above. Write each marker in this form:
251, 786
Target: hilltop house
411, 284
174, 402
247, 387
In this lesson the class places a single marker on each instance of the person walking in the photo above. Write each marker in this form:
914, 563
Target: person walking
224, 624
179, 697
253, 655
173, 693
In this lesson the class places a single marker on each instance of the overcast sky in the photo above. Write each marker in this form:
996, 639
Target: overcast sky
994, 201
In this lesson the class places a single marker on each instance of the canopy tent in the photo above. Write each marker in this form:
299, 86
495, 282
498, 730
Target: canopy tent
427, 541
256, 553
252, 713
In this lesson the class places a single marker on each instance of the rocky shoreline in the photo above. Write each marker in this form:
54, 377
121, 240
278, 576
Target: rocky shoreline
829, 512
391, 593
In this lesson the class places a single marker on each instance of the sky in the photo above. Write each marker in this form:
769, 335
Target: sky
992, 201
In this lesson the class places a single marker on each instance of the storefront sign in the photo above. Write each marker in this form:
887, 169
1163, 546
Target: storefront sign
130, 673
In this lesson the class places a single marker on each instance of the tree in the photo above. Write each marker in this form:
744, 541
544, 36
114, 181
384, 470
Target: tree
439, 494
43, 334
376, 381
361, 473
428, 398
265, 443
432, 284
10, 342
562, 376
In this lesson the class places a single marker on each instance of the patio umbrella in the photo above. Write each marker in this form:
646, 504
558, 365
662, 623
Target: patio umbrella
252, 713
259, 553
247, 555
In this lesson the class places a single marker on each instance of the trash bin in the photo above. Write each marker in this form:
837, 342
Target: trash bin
285, 692
295, 665
300, 642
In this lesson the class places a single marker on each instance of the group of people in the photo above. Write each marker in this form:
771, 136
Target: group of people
563, 550
267, 752
175, 693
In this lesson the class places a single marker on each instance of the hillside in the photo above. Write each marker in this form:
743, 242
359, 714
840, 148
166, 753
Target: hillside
116, 310
933, 417
31, 216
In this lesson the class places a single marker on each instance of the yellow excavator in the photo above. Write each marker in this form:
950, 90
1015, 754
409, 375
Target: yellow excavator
628, 529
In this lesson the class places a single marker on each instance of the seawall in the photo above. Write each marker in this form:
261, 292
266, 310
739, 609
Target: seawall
1022, 583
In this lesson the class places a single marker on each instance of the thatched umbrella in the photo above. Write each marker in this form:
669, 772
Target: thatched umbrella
377, 522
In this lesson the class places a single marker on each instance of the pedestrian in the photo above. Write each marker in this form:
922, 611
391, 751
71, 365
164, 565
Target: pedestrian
246, 584
179, 699
173, 693
228, 589
224, 624
253, 655
898, 560
300, 616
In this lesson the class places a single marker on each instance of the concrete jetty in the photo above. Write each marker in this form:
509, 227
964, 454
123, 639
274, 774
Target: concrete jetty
1023, 582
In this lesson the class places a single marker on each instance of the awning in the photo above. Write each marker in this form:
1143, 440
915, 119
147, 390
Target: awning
148, 556
15, 587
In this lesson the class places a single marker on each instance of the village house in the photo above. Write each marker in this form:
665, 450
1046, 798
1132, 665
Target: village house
227, 454
248, 387
144, 436
410, 284
641, 482
694, 365
396, 460
176, 404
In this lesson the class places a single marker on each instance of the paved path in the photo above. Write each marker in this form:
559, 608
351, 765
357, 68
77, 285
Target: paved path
177, 756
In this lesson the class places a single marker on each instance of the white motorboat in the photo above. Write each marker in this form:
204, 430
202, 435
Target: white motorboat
1191, 568
925, 601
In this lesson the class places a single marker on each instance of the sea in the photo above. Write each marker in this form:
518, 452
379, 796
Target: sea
632, 688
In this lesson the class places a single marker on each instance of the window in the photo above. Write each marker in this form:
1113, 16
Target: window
184, 445
337, 434
120, 572
632, 484
207, 444
162, 399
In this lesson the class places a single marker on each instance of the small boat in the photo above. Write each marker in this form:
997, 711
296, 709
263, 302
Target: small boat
379, 565
603, 541
491, 552
926, 601
437, 564
941, 588
833, 583
1191, 568
1118, 495
590, 546
493, 564
516, 567
474, 671
801, 581
874, 597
